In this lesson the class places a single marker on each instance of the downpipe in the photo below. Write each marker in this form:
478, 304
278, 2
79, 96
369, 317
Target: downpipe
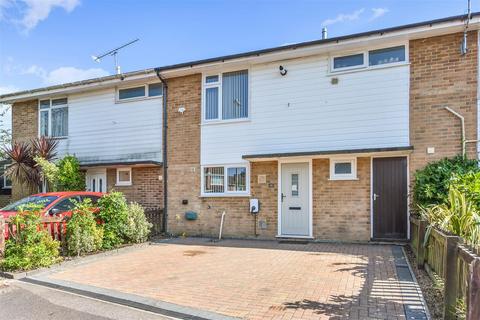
164, 151
221, 226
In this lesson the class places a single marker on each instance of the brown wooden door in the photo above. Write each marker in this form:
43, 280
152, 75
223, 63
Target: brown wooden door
389, 196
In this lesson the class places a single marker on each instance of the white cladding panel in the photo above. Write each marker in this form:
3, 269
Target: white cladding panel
304, 111
100, 130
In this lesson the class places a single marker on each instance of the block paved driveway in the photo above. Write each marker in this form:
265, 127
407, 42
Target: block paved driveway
259, 279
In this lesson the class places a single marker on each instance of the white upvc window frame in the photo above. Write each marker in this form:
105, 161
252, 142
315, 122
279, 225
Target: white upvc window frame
210, 85
366, 56
49, 111
343, 176
218, 85
124, 183
225, 192
5, 186
360, 66
144, 97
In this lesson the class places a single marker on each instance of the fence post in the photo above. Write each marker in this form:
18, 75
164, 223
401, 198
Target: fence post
2, 235
473, 291
421, 249
451, 277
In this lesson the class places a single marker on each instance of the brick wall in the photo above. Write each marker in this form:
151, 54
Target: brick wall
341, 209
146, 188
439, 77
25, 120
184, 175
24, 128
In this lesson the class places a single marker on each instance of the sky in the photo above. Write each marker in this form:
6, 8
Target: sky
46, 42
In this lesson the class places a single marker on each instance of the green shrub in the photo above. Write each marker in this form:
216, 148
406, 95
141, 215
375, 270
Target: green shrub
70, 177
138, 228
114, 215
84, 235
432, 183
468, 184
31, 246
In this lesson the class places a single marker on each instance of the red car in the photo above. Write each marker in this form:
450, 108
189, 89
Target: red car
54, 203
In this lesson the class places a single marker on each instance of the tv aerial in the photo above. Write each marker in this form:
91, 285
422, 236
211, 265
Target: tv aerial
114, 54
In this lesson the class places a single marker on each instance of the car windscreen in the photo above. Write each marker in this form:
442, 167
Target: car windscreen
42, 201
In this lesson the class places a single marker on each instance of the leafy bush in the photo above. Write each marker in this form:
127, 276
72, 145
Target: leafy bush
432, 183
468, 184
84, 235
138, 228
70, 177
114, 215
457, 216
49, 172
30, 247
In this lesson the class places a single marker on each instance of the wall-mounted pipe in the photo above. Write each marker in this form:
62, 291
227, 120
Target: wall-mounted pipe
164, 151
462, 122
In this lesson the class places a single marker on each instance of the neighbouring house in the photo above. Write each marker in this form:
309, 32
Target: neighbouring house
326, 134
113, 126
5, 185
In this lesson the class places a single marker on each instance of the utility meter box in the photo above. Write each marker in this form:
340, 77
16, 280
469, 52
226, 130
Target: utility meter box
254, 206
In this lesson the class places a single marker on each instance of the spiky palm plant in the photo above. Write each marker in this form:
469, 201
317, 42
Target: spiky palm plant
23, 169
44, 147
458, 216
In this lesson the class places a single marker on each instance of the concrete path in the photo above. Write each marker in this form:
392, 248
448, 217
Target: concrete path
19, 301
254, 280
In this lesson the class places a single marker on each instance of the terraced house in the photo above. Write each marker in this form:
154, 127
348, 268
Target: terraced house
319, 139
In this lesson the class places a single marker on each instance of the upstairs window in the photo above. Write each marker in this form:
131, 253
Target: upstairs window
348, 62
388, 55
226, 96
140, 92
369, 58
53, 118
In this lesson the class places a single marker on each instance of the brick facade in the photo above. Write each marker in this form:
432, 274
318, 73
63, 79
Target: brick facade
146, 188
341, 209
440, 76
335, 203
24, 128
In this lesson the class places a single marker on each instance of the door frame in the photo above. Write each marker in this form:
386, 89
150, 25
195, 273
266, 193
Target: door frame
96, 171
310, 196
408, 191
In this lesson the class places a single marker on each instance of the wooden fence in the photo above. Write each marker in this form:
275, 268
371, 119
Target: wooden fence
57, 226
458, 266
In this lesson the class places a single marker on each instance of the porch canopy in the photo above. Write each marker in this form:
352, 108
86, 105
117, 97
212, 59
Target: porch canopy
391, 151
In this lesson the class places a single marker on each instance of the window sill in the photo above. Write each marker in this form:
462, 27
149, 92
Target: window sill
224, 195
55, 138
123, 184
117, 101
343, 179
367, 68
219, 122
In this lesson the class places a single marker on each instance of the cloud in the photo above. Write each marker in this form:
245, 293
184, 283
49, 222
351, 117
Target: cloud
8, 89
64, 74
344, 17
378, 12
32, 12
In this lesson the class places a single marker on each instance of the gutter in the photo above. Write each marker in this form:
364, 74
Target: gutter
164, 150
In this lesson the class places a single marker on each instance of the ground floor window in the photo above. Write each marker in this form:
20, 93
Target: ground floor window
343, 169
124, 177
224, 180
